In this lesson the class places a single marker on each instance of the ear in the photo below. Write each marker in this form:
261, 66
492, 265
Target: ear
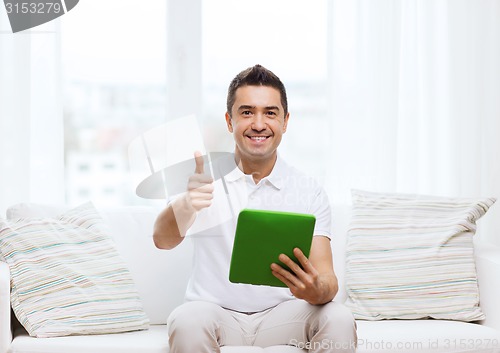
285, 124
229, 122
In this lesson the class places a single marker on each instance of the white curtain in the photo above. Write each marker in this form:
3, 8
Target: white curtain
31, 123
415, 99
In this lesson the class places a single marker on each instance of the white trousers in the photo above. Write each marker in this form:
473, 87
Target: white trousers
204, 327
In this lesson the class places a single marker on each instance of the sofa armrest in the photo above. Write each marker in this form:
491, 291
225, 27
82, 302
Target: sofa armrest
5, 323
488, 273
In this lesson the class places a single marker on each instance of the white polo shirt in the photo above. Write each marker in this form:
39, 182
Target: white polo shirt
212, 233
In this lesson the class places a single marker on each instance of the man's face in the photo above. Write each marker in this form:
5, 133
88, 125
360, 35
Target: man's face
258, 121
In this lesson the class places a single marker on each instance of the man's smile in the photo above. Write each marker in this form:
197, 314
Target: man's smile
258, 138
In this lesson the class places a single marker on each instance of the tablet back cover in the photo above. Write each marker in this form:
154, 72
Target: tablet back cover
261, 236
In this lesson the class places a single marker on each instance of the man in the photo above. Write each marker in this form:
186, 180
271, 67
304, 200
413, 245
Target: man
217, 312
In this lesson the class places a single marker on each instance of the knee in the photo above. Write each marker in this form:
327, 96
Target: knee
336, 312
337, 326
192, 327
193, 317
338, 318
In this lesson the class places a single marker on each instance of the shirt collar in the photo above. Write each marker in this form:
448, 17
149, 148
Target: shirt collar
276, 178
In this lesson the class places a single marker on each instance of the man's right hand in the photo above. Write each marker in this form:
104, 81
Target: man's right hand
200, 187
173, 222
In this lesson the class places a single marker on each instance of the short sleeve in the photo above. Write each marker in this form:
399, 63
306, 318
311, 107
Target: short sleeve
320, 208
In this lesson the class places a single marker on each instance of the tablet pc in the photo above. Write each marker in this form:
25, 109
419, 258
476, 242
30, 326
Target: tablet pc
261, 236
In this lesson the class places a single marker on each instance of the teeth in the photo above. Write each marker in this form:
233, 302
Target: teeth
258, 138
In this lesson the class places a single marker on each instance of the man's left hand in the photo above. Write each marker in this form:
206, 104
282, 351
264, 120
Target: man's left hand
304, 283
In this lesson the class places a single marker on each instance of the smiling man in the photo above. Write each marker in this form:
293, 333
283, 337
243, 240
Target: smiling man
257, 123
218, 312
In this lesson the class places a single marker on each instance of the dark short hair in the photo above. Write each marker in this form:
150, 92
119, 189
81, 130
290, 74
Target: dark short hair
256, 75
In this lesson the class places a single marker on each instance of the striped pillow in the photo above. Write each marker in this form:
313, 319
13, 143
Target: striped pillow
67, 277
411, 257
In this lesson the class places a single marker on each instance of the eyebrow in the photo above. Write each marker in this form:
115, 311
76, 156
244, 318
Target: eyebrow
271, 107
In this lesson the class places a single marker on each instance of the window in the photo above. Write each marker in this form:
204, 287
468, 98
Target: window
116, 87
114, 83
290, 39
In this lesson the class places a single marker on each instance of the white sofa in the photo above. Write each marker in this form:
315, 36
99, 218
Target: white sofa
161, 277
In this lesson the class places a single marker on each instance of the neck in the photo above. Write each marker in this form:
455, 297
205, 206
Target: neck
258, 168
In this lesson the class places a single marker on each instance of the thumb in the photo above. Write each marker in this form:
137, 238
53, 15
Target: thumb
199, 163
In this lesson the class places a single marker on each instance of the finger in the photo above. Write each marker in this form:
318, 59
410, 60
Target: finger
207, 187
292, 265
283, 275
200, 204
200, 179
196, 195
199, 163
283, 279
304, 261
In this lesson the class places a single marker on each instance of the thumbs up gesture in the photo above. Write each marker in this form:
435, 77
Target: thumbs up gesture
200, 186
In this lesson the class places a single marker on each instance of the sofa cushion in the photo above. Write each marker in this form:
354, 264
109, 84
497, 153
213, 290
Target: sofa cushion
67, 277
408, 336
411, 256
154, 340
160, 276
417, 336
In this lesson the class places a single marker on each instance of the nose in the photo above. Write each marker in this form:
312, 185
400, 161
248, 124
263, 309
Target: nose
259, 122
